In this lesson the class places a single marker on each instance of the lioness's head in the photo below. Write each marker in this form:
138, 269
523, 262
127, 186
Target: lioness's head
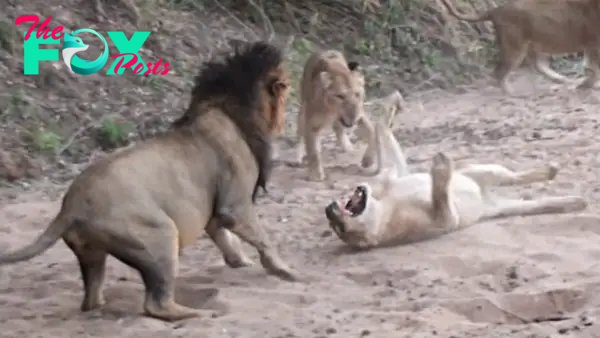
345, 91
274, 95
350, 220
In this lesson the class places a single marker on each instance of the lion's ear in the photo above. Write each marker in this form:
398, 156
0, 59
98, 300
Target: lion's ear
277, 88
326, 79
353, 66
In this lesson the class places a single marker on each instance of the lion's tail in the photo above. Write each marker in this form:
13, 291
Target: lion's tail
56, 229
450, 7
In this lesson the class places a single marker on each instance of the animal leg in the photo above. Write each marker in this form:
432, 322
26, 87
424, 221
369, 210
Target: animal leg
312, 141
366, 131
497, 175
157, 264
228, 243
441, 173
343, 141
391, 151
511, 58
247, 227
503, 208
593, 57
300, 147
543, 66
92, 264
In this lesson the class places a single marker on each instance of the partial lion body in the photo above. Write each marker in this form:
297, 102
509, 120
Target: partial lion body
543, 28
403, 207
332, 95
144, 204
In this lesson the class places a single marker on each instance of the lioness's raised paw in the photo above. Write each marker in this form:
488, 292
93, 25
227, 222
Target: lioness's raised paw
441, 168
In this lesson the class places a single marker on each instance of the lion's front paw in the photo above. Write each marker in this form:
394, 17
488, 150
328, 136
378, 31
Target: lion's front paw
238, 262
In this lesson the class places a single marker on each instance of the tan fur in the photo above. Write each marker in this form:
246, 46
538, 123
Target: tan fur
332, 95
403, 207
542, 28
144, 204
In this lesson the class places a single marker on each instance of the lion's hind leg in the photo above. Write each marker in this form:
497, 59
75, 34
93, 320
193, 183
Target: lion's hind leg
497, 175
503, 208
442, 208
157, 262
92, 264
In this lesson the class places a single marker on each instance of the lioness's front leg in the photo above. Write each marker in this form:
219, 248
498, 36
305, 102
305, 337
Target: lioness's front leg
343, 141
245, 224
312, 142
441, 173
366, 131
300, 132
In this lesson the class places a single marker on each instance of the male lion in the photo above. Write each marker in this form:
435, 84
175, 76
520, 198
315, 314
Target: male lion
542, 28
401, 207
332, 94
145, 203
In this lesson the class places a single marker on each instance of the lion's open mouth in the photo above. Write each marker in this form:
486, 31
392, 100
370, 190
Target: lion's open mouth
358, 202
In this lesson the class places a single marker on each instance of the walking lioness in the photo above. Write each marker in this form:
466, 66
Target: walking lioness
144, 204
542, 28
400, 207
332, 93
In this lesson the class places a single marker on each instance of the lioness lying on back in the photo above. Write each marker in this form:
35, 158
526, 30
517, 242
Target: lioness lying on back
400, 207
543, 27
332, 94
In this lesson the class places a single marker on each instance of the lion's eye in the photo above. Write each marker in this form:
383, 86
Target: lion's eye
340, 96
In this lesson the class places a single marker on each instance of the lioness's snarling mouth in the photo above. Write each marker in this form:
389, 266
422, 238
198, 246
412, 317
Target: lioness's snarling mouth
357, 203
355, 206
346, 123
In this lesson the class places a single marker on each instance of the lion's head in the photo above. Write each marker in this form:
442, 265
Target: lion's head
274, 94
344, 86
351, 220
250, 86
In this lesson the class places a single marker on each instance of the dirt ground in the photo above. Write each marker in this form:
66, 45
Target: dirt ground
519, 277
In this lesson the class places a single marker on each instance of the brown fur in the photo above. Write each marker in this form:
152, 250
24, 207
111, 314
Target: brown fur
542, 28
332, 95
144, 204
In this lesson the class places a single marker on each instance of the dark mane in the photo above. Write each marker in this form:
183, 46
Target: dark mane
234, 86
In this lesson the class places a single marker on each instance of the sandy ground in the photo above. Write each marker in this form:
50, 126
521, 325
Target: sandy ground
520, 277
